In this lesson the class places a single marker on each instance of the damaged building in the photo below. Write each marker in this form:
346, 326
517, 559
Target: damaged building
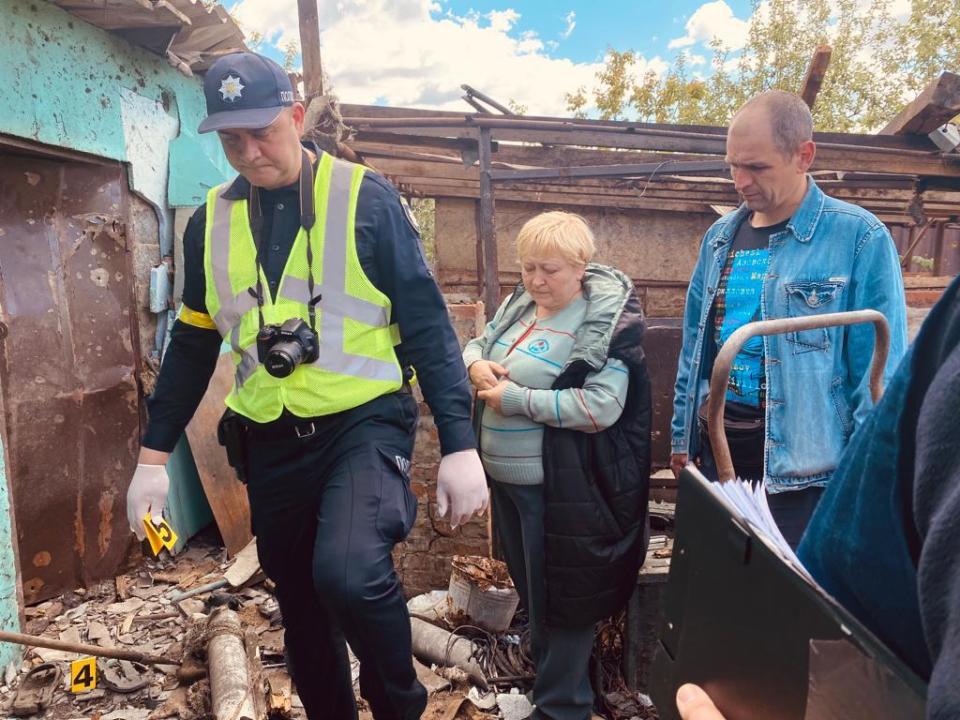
97, 150
100, 167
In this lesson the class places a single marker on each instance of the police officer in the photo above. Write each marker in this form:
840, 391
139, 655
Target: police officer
311, 269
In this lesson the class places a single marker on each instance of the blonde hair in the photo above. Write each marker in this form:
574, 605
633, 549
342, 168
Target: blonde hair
556, 233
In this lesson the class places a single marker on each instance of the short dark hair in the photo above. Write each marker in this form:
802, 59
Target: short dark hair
791, 123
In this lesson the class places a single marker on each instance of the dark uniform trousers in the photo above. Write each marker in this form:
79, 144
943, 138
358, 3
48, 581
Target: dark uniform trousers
327, 510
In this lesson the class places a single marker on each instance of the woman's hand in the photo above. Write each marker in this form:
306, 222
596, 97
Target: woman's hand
492, 396
485, 374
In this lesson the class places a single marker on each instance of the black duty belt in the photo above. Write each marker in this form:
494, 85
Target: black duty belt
282, 429
289, 427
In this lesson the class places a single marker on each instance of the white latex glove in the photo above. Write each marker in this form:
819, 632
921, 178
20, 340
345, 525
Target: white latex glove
461, 486
147, 493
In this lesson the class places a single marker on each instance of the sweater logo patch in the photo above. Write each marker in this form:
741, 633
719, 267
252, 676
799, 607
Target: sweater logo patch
539, 347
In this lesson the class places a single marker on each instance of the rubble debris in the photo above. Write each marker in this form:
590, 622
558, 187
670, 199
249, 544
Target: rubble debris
280, 692
245, 565
616, 701
431, 680
485, 572
148, 621
482, 701
514, 706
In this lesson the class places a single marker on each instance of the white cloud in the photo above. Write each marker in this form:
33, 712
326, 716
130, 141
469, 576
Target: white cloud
414, 53
713, 20
696, 59
503, 20
571, 20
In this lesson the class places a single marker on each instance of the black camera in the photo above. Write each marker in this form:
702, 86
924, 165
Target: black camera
283, 347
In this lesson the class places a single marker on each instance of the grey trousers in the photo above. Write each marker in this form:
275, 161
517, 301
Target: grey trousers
562, 689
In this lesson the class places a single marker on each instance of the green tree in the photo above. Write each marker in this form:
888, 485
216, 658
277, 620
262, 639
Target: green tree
290, 52
878, 64
425, 211
517, 108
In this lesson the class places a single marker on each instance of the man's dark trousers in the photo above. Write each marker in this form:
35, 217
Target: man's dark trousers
327, 510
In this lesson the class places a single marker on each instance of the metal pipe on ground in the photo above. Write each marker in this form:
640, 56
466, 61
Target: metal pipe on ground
432, 644
83, 649
231, 690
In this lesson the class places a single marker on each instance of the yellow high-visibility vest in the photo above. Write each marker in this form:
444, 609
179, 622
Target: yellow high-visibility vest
357, 361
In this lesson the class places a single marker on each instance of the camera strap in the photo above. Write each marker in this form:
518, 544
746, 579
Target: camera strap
308, 218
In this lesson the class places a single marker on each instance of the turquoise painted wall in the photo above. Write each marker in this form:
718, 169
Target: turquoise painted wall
66, 83
69, 84
9, 601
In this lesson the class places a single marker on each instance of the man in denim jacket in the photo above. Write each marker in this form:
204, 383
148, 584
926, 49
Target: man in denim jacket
788, 251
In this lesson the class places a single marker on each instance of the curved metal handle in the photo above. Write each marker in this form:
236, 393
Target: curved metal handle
720, 377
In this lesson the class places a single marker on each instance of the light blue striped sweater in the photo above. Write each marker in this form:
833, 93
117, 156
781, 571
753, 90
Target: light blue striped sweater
535, 352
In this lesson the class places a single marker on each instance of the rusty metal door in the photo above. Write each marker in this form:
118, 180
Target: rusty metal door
67, 367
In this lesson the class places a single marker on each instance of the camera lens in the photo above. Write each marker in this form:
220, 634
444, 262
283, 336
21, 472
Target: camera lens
283, 358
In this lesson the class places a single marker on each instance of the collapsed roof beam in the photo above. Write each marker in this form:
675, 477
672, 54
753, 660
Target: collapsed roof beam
665, 167
938, 104
474, 93
815, 74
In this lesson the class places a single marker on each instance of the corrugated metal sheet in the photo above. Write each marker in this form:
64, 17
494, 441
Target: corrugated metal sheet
67, 367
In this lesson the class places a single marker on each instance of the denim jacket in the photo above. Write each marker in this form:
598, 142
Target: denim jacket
833, 256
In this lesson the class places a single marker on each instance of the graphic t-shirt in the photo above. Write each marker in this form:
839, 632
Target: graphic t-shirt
739, 294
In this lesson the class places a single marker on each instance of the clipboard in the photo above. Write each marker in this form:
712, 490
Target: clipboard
760, 636
762, 639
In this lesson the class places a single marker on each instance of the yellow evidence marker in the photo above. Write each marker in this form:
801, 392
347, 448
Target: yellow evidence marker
83, 675
160, 535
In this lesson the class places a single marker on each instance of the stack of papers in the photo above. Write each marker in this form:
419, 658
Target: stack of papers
747, 502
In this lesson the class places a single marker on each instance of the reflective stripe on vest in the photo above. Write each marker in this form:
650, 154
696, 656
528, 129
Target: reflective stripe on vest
336, 306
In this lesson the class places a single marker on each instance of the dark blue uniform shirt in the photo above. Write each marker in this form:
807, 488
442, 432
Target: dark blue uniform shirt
390, 253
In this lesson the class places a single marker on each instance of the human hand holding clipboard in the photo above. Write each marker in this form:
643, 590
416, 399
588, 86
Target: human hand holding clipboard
694, 704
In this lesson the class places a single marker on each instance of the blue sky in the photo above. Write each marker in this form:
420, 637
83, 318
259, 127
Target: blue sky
416, 53
643, 25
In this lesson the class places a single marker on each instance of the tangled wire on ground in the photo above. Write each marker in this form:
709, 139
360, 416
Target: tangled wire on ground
506, 661
504, 658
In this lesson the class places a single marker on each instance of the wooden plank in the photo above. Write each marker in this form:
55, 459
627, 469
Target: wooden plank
938, 250
899, 142
673, 193
464, 140
512, 277
559, 199
925, 282
815, 73
310, 48
676, 191
889, 214
827, 158
410, 171
126, 14
937, 104
226, 494
488, 229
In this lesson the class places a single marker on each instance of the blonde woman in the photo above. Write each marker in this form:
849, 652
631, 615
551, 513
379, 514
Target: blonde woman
563, 421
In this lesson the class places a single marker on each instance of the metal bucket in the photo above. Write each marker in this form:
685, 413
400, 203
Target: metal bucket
487, 601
